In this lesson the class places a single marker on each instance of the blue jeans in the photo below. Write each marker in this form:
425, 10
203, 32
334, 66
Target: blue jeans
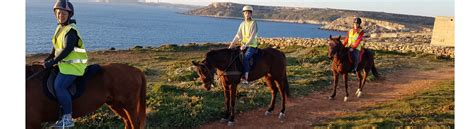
248, 54
61, 86
355, 58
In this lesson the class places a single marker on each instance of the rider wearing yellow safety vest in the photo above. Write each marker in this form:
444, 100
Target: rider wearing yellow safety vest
353, 41
70, 55
247, 34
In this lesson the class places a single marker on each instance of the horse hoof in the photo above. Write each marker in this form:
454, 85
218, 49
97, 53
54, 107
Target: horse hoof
281, 116
346, 98
267, 113
359, 94
331, 98
230, 123
224, 120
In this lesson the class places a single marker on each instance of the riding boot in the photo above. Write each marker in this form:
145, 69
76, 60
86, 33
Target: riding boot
244, 78
65, 122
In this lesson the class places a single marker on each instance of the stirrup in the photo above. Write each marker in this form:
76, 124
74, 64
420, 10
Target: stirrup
244, 81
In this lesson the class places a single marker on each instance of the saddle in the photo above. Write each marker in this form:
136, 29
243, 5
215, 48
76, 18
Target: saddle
77, 88
361, 55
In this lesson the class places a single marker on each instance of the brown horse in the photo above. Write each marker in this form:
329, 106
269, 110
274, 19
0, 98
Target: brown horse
342, 64
271, 65
121, 87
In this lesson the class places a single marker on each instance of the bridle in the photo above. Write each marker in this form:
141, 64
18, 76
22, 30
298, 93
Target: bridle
210, 79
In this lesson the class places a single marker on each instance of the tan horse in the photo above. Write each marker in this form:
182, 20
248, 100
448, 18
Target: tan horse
271, 66
121, 87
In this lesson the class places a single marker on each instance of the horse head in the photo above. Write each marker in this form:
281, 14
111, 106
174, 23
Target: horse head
335, 46
205, 72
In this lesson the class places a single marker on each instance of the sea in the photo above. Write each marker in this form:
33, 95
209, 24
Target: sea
124, 25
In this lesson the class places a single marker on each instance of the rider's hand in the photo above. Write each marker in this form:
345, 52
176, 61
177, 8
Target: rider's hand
243, 47
351, 49
48, 64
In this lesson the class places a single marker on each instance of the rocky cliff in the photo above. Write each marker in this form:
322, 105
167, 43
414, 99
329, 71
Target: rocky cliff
333, 19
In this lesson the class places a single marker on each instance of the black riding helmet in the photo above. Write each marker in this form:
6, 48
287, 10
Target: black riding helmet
357, 20
64, 5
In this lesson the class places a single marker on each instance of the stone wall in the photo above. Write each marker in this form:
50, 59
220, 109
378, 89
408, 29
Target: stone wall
402, 37
387, 46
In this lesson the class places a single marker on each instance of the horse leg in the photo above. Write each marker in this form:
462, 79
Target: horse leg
271, 84
359, 77
281, 86
227, 104
366, 73
344, 77
133, 117
233, 91
129, 113
336, 80
119, 110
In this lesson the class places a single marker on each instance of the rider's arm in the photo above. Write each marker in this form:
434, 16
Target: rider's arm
51, 55
346, 40
71, 41
237, 36
253, 32
357, 42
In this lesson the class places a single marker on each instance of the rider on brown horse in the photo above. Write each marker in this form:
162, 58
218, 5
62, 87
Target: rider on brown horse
247, 34
353, 41
70, 55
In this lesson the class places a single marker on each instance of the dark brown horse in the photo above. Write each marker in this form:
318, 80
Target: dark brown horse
271, 65
342, 64
121, 87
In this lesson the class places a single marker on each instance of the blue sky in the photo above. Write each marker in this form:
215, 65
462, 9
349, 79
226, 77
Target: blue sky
413, 7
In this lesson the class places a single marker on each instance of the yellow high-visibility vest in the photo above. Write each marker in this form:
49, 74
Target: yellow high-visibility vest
76, 62
353, 38
246, 29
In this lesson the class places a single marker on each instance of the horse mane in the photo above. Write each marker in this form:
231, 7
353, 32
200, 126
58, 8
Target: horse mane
31, 69
341, 51
219, 57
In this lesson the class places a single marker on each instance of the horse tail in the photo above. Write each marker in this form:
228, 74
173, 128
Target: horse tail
142, 108
373, 69
287, 86
375, 72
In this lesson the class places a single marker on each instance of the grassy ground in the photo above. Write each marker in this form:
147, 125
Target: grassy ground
175, 100
430, 108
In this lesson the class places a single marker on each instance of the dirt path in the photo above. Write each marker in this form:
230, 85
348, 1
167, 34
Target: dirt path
302, 112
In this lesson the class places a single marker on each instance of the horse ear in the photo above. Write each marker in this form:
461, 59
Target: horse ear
195, 63
339, 38
330, 36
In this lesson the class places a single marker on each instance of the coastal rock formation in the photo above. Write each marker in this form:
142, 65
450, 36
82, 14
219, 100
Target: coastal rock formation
372, 26
334, 19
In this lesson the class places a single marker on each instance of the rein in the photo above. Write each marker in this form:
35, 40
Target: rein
225, 70
228, 66
342, 55
36, 74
